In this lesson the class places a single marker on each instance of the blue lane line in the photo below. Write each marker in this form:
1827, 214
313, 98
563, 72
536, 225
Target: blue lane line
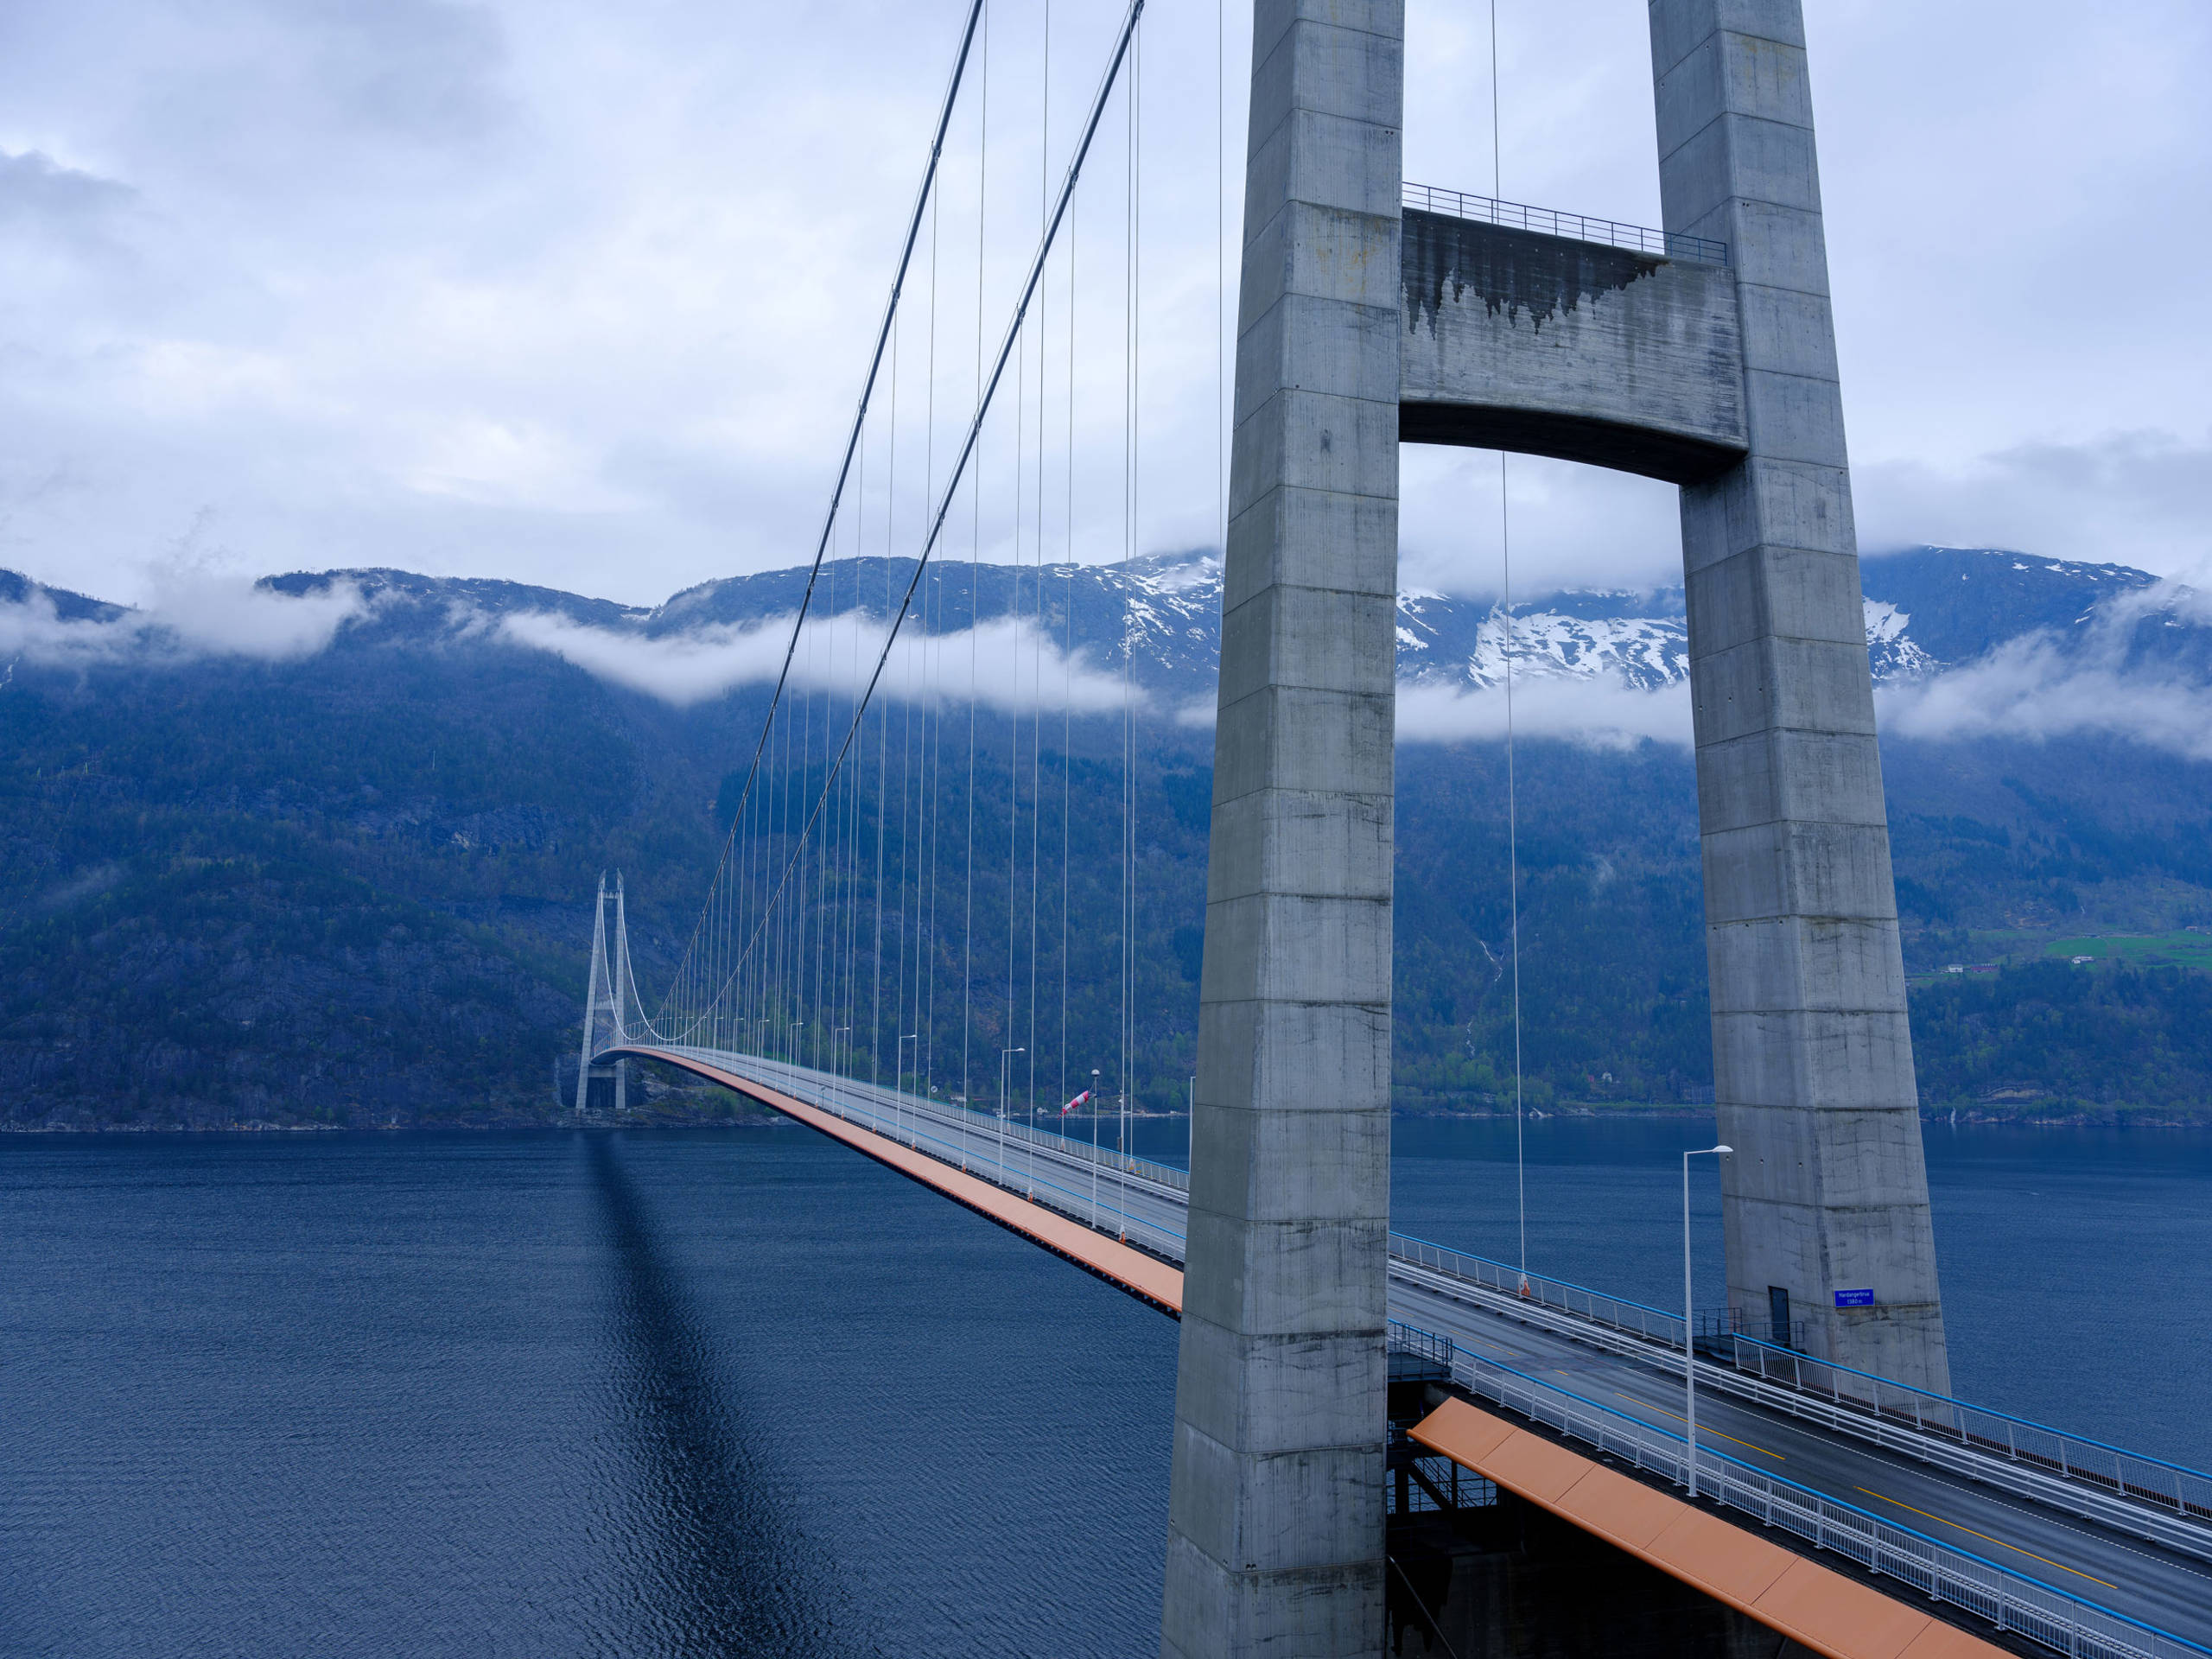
1539, 1384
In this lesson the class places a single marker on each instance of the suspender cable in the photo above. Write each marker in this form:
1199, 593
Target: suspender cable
1013, 721
1133, 210
975, 610
1512, 804
883, 742
925, 807
1036, 638
1067, 731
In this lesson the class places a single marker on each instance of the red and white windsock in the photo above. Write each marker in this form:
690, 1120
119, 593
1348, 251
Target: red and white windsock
1076, 1101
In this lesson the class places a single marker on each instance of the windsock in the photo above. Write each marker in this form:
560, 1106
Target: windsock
1076, 1101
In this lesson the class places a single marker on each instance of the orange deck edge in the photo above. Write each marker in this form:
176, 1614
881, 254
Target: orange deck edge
1145, 1277
1809, 1603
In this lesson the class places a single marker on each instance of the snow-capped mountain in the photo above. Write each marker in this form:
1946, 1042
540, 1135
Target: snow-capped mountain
1927, 610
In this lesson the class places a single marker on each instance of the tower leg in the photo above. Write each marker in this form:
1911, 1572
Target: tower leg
1828, 1192
1276, 1514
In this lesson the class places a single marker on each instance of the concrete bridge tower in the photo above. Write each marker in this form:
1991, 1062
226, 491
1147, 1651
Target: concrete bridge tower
1827, 1197
1359, 325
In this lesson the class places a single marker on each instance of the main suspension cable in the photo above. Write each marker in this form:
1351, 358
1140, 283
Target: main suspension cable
923, 196
972, 433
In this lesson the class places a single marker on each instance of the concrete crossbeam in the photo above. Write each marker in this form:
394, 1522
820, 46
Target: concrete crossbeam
1513, 339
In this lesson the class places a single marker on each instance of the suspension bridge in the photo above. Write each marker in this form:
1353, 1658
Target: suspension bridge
930, 913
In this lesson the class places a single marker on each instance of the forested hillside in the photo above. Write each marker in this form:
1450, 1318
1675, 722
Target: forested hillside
351, 883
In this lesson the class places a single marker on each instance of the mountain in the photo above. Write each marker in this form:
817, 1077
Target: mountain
1928, 609
322, 851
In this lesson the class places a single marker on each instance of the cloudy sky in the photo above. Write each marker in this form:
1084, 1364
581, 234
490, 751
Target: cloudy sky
579, 294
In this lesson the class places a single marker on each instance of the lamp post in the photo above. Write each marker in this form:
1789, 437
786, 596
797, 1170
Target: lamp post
899, 1084
1121, 1154
1094, 1148
836, 1059
1006, 1065
1689, 1320
797, 1026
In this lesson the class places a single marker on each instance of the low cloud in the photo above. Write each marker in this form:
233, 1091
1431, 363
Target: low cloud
1007, 665
2029, 689
1572, 526
186, 616
1600, 712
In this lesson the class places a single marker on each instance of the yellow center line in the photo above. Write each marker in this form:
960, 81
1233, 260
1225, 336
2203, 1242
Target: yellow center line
1663, 1412
1999, 1542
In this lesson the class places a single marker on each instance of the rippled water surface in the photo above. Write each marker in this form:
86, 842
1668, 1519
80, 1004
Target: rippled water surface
737, 1392
743, 1393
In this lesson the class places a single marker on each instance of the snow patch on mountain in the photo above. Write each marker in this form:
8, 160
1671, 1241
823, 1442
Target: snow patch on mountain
1892, 654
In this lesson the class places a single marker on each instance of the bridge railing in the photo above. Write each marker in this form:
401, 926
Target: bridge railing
983, 1122
961, 1136
1576, 227
2174, 1487
1656, 1325
2013, 1602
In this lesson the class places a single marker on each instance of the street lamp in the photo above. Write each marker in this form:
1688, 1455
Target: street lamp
1094, 1148
836, 1059
797, 1026
897, 1059
1006, 1065
1689, 1319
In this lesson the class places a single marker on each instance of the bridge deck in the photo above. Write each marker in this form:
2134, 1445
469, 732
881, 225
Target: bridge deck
1097, 1206
1145, 1277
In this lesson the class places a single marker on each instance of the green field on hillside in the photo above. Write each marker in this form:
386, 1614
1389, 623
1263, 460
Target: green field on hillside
2190, 947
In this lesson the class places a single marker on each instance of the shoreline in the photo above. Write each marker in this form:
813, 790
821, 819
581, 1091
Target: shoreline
2107, 1118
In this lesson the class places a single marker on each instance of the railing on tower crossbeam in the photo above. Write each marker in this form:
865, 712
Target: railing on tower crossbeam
1574, 227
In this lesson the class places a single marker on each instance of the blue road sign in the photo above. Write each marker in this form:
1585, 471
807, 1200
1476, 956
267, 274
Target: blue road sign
1854, 1299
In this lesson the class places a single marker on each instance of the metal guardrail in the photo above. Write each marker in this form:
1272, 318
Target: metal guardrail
983, 1122
960, 1136
1714, 1324
1886, 1411
1577, 227
2171, 1486
2068, 1623
1654, 1324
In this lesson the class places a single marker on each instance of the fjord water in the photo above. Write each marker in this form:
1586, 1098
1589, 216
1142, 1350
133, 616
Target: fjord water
741, 1392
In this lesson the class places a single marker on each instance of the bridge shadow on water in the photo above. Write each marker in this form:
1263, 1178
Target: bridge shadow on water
718, 1566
